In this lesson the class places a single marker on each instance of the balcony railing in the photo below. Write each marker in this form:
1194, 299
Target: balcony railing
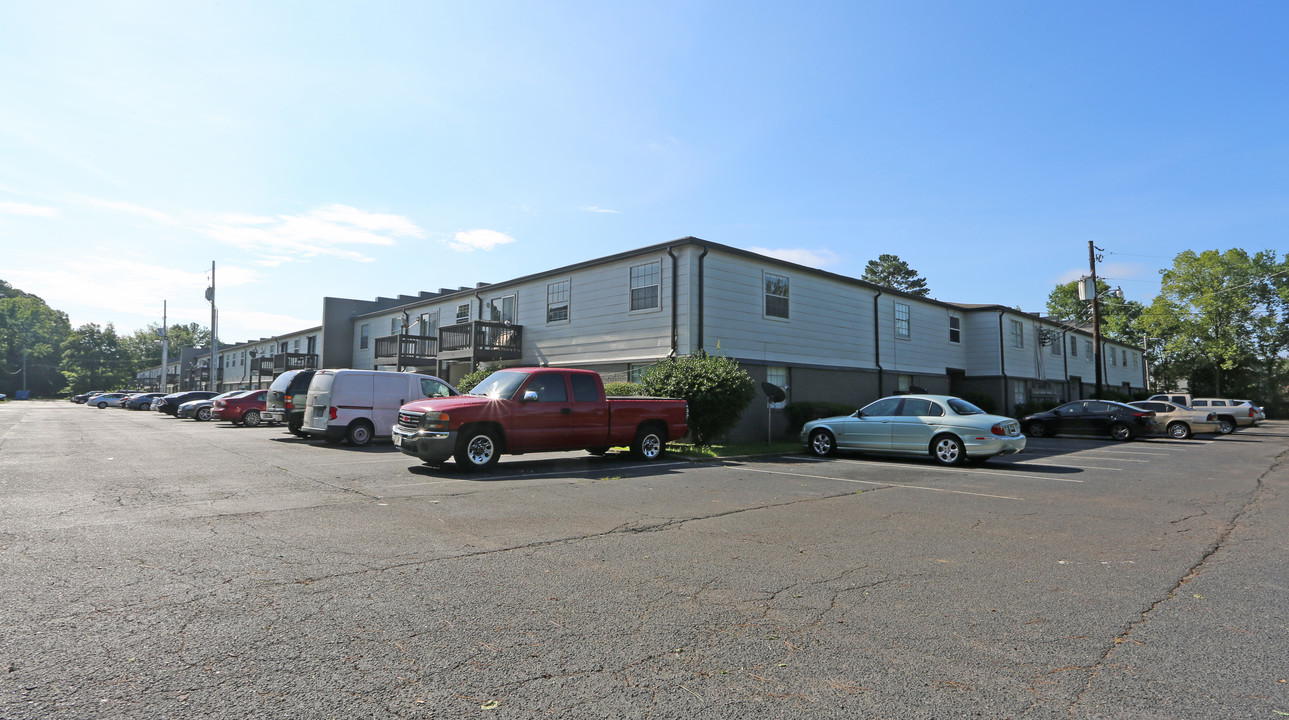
406, 349
262, 367
293, 361
481, 340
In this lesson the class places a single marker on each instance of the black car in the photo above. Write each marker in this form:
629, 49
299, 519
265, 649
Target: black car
170, 403
1090, 417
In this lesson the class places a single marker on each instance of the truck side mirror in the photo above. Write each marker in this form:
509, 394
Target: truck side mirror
530, 396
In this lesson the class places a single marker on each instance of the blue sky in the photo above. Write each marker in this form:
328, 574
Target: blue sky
377, 148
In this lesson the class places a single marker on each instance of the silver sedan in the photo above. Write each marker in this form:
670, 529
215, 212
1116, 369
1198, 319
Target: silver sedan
948, 429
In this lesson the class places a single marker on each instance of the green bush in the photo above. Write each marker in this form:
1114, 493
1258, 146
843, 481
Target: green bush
716, 388
800, 413
984, 401
621, 389
468, 382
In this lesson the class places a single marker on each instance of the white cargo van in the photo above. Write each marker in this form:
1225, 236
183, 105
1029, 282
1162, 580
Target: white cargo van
357, 405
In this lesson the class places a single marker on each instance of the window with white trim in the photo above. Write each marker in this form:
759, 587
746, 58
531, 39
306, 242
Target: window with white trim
557, 301
955, 329
1087, 345
463, 313
1074, 347
646, 286
778, 375
364, 337
902, 322
1112, 358
1018, 334
776, 296
502, 309
1056, 343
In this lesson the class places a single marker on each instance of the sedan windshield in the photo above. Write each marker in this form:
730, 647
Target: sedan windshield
962, 407
499, 385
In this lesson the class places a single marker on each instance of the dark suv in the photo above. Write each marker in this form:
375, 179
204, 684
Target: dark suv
284, 402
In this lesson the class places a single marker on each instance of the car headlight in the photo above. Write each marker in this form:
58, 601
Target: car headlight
436, 421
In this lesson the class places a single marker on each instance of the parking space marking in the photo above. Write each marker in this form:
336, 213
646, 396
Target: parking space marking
961, 471
872, 482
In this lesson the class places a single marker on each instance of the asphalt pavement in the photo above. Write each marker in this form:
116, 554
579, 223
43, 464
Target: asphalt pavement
163, 568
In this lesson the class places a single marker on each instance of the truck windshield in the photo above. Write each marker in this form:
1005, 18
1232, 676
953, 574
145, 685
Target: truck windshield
499, 385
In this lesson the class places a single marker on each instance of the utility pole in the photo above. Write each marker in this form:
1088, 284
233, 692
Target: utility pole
1096, 316
214, 343
165, 351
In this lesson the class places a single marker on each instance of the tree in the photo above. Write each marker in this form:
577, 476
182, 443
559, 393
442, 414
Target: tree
1220, 314
144, 346
1119, 317
892, 272
716, 388
93, 359
31, 336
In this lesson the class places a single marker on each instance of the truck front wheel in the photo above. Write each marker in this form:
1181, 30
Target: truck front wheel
478, 450
649, 444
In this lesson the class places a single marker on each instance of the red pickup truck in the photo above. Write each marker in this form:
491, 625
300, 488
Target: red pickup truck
520, 410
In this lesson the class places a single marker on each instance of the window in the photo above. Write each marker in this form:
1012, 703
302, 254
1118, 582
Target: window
882, 408
1055, 342
776, 296
364, 336
1018, 334
901, 320
636, 371
295, 344
778, 375
955, 329
1113, 357
1018, 389
428, 324
557, 301
549, 388
904, 383
434, 388
584, 388
1123, 356
282, 348
502, 309
463, 313
312, 344
1134, 361
1087, 345
646, 286
395, 325
1074, 347
917, 407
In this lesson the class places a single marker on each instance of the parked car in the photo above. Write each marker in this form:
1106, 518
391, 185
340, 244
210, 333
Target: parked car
1231, 415
140, 401
1091, 417
358, 405
284, 402
245, 408
83, 397
1258, 413
112, 399
170, 403
521, 410
1178, 421
948, 429
202, 408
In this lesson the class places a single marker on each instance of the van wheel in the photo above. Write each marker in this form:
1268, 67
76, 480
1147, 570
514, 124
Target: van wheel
478, 450
359, 433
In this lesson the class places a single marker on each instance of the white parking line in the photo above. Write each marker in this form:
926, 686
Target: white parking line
962, 471
880, 484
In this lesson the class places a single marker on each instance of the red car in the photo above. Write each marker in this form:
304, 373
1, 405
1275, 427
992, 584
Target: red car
246, 408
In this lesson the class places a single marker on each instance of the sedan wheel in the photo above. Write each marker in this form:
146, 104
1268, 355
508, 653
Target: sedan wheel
1036, 429
822, 443
1179, 431
948, 450
202, 414
102, 405
251, 418
1120, 431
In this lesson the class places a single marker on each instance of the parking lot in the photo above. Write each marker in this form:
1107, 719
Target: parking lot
156, 567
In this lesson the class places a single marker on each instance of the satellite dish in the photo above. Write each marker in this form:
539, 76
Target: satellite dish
774, 392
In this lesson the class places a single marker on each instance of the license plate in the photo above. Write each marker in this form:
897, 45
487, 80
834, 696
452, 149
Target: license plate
398, 440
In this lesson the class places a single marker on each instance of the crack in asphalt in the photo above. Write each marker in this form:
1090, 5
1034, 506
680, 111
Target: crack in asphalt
1094, 670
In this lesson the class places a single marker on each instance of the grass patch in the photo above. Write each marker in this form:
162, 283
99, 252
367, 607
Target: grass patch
706, 452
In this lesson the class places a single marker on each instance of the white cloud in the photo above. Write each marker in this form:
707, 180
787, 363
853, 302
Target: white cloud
132, 209
17, 208
327, 230
802, 256
594, 209
471, 240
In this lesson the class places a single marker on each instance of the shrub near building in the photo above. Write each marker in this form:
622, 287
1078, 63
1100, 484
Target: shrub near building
716, 388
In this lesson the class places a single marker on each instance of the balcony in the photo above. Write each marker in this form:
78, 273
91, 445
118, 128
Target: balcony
403, 350
262, 367
481, 340
293, 361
